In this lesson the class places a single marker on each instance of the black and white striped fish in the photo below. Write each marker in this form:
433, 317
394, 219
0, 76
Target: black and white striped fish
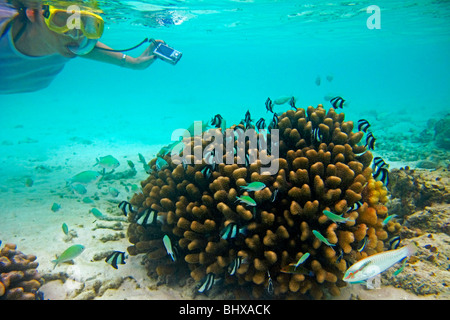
207, 283
231, 231
126, 207
269, 105
292, 103
394, 242
148, 217
355, 206
217, 121
274, 122
378, 162
337, 102
261, 124
363, 125
370, 141
382, 174
234, 265
247, 120
117, 257
316, 135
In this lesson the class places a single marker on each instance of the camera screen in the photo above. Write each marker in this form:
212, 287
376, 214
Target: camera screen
164, 50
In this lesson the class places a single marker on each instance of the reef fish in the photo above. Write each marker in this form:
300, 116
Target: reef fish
302, 259
231, 231
371, 266
292, 103
114, 192
107, 162
126, 207
85, 177
55, 207
79, 189
387, 219
161, 164
269, 105
254, 186
355, 206
378, 162
70, 253
337, 102
322, 238
148, 217
261, 124
169, 248
117, 257
370, 141
363, 125
382, 174
293, 269
207, 283
336, 218
97, 213
217, 121
282, 100
269, 284
330, 77
247, 200
65, 228
234, 265
318, 81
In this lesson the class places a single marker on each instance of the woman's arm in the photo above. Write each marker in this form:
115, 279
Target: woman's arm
120, 59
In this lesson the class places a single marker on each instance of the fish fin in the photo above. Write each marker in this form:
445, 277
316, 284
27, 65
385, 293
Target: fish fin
411, 249
396, 273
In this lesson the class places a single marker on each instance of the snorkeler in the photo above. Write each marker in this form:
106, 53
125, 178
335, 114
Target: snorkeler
39, 37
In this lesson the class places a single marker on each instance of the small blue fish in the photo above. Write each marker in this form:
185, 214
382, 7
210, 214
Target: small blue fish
254, 186
169, 248
336, 218
363, 245
302, 259
322, 238
247, 200
387, 219
382, 174
161, 164
269, 105
65, 228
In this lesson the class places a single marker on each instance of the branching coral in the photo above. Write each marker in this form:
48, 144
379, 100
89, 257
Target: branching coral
321, 167
19, 279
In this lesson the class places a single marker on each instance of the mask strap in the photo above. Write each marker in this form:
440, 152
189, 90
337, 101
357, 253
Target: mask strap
129, 49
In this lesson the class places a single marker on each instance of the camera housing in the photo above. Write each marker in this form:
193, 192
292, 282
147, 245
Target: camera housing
168, 54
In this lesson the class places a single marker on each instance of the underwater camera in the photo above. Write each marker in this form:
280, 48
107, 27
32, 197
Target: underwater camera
168, 54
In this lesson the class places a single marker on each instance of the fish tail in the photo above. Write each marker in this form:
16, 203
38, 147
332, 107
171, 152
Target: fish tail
411, 249
98, 161
55, 262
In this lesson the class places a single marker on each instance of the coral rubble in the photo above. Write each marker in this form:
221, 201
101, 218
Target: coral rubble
322, 166
19, 279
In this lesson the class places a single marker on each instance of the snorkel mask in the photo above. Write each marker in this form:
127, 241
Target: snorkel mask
76, 23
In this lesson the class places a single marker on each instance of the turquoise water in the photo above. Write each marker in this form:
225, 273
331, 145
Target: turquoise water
235, 55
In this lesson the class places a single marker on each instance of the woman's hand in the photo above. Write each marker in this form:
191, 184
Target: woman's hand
145, 59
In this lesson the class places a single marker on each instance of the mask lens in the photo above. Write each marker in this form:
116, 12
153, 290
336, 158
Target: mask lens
59, 19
